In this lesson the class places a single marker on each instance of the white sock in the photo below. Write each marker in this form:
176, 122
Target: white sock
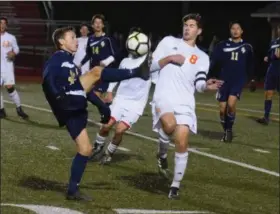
2, 101
163, 144
181, 160
99, 139
15, 98
112, 148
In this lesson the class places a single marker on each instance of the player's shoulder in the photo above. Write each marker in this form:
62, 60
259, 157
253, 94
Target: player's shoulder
9, 35
248, 45
202, 55
169, 39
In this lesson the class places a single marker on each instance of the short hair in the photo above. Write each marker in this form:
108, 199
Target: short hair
236, 22
84, 25
5, 19
98, 16
59, 34
193, 16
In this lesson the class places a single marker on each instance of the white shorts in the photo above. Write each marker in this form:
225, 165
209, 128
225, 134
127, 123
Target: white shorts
183, 115
7, 78
121, 114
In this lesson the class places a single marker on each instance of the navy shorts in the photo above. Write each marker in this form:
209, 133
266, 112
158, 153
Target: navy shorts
101, 87
76, 122
272, 80
229, 89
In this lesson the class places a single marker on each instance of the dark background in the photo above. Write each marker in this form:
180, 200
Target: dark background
163, 18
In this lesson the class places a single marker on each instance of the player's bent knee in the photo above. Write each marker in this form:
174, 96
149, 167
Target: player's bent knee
121, 128
168, 127
96, 71
268, 94
84, 146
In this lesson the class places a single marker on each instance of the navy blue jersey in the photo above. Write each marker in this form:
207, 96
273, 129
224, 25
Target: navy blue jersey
235, 61
99, 49
61, 79
274, 63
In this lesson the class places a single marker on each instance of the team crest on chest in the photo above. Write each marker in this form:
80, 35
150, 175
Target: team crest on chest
6, 44
243, 50
102, 44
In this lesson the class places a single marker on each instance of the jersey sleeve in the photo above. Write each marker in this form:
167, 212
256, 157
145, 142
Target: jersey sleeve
15, 45
201, 75
159, 53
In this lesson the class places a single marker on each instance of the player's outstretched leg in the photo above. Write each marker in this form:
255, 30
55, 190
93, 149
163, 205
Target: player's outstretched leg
79, 163
101, 138
121, 128
181, 136
13, 94
267, 108
230, 117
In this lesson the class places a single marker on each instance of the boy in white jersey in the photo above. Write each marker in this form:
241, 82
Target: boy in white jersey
82, 45
128, 105
182, 69
9, 50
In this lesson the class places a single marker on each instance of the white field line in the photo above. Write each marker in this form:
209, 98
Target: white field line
261, 151
244, 165
52, 147
140, 211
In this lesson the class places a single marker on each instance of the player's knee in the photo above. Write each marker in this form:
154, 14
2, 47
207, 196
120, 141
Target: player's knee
121, 128
169, 127
268, 95
85, 150
104, 131
10, 88
96, 71
231, 109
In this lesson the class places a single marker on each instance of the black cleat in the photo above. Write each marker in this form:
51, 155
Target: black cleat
173, 193
106, 159
163, 167
21, 113
263, 121
2, 113
229, 136
77, 196
97, 149
224, 137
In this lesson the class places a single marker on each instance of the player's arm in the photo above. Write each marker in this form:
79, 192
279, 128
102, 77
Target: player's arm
15, 50
88, 54
112, 52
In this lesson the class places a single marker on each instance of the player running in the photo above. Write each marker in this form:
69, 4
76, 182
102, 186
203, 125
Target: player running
235, 58
65, 90
182, 69
127, 107
272, 79
9, 50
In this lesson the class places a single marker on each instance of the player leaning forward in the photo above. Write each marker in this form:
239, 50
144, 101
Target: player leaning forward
182, 69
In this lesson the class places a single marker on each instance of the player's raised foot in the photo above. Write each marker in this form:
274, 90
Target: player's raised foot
229, 136
173, 193
163, 167
21, 113
106, 159
224, 137
96, 150
143, 70
263, 121
78, 196
2, 113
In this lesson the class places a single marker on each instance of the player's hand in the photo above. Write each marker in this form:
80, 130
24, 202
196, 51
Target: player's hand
178, 59
109, 97
11, 56
214, 84
252, 86
265, 59
277, 53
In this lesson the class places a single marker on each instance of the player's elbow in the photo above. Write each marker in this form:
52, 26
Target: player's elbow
200, 86
155, 66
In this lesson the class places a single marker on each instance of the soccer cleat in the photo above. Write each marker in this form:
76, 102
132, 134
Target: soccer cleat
3, 113
97, 149
21, 113
224, 137
163, 167
263, 121
106, 158
229, 136
77, 196
173, 193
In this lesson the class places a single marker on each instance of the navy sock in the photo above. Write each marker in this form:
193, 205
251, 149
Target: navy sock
230, 120
95, 100
78, 167
267, 108
223, 122
117, 75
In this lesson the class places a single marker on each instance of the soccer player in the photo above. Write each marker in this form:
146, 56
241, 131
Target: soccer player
235, 58
82, 46
182, 70
101, 50
127, 107
272, 79
9, 50
65, 90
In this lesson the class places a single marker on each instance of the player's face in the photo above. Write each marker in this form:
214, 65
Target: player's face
190, 30
236, 31
98, 25
69, 42
3, 26
84, 31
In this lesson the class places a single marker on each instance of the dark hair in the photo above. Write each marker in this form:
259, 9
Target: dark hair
236, 22
59, 34
98, 16
5, 19
193, 16
84, 25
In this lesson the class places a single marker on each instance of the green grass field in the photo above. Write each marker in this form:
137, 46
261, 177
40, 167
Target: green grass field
237, 178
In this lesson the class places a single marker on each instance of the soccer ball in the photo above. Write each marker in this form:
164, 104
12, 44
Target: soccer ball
137, 44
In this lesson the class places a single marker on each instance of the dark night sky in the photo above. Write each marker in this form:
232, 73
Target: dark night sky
165, 17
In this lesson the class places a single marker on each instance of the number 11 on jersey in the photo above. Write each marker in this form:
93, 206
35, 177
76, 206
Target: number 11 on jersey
234, 56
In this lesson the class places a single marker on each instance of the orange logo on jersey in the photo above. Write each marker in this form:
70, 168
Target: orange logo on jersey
6, 44
193, 59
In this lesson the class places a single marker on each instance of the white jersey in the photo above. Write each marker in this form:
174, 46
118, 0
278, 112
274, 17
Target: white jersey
132, 93
176, 84
8, 43
81, 52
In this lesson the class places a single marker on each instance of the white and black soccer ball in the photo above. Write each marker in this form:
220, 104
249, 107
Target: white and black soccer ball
138, 44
